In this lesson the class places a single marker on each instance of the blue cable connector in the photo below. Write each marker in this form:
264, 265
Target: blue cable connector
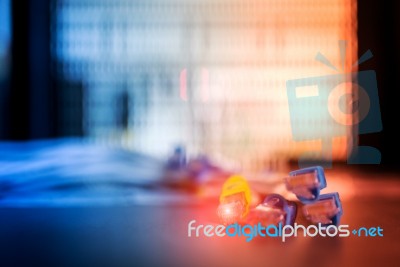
275, 209
306, 183
327, 210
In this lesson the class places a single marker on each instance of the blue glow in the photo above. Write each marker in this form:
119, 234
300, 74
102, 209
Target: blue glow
5, 26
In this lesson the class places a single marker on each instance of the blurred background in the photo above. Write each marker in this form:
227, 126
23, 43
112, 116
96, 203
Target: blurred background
104, 90
209, 75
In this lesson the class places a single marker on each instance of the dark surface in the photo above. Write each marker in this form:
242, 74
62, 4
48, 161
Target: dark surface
72, 203
156, 235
